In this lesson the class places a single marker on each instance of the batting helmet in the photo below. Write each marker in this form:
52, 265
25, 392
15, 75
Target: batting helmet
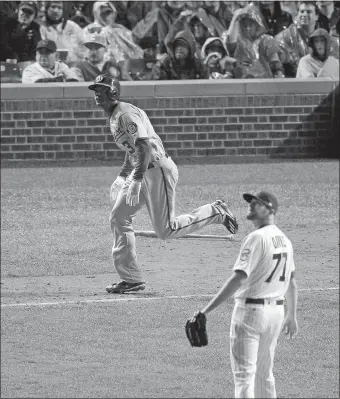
106, 80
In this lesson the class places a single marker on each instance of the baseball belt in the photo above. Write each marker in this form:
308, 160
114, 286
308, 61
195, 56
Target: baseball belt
260, 301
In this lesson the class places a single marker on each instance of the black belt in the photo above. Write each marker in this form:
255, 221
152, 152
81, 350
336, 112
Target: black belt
262, 301
151, 165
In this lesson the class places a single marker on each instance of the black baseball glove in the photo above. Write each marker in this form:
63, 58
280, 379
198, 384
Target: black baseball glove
195, 329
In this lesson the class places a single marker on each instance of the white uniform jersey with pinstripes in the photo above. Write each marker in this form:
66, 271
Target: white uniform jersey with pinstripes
127, 124
266, 256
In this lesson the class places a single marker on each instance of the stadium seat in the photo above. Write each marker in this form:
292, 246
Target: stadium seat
138, 69
10, 73
23, 65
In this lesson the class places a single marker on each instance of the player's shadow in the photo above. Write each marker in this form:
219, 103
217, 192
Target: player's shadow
317, 134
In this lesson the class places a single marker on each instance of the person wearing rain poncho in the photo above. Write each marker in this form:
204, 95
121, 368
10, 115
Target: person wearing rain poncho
257, 53
217, 60
120, 43
181, 62
319, 63
65, 33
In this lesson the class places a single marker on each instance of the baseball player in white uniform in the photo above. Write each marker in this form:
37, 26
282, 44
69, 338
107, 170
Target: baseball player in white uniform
148, 177
263, 275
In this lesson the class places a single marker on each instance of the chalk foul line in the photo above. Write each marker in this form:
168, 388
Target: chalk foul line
128, 298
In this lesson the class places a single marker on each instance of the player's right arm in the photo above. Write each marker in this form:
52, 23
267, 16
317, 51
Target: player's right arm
290, 325
126, 168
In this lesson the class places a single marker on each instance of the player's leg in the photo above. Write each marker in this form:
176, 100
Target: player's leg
264, 380
160, 193
124, 244
245, 329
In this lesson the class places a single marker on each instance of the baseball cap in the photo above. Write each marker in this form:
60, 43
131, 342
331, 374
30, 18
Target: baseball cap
31, 5
266, 198
48, 44
95, 38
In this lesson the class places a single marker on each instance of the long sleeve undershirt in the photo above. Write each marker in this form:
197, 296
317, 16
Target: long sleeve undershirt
143, 153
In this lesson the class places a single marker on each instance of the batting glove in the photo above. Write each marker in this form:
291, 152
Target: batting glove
116, 186
132, 196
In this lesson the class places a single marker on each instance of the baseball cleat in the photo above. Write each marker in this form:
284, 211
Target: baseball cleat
123, 286
229, 220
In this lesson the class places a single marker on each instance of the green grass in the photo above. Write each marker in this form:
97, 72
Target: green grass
56, 243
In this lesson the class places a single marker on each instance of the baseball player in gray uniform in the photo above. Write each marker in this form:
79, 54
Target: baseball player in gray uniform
263, 276
148, 177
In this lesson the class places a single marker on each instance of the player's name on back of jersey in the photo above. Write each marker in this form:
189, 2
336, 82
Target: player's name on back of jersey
279, 241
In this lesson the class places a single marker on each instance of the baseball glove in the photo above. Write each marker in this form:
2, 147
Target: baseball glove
195, 329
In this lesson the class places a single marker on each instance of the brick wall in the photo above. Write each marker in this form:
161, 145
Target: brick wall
204, 122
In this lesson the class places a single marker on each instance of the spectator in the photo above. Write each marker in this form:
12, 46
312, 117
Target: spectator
293, 41
122, 8
275, 18
216, 58
319, 63
98, 23
21, 34
256, 52
198, 23
292, 8
328, 9
95, 64
137, 10
181, 61
65, 33
200, 30
121, 45
129, 13
47, 69
158, 22
79, 16
219, 14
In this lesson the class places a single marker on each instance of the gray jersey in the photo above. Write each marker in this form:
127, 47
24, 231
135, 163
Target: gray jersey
128, 123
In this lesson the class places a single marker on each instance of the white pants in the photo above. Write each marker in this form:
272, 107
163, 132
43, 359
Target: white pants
254, 331
158, 195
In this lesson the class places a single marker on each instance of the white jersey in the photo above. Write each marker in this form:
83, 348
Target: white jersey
266, 256
127, 124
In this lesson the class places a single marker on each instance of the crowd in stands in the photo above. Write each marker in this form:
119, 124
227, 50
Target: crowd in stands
70, 41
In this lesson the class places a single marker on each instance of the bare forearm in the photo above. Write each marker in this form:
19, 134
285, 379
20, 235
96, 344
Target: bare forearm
229, 288
291, 298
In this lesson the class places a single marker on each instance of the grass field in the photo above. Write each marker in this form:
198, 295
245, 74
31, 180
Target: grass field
63, 336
